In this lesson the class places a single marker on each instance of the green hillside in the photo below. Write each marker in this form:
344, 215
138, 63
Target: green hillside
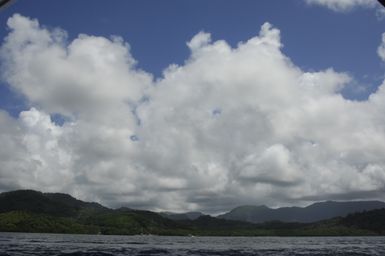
32, 211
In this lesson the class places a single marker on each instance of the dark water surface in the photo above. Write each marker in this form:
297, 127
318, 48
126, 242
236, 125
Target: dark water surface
71, 245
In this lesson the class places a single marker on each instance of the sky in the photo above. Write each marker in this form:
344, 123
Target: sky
180, 105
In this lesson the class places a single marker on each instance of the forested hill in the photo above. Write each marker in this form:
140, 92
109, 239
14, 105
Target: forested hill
33, 211
55, 204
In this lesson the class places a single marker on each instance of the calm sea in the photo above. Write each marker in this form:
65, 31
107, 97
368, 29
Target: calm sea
57, 244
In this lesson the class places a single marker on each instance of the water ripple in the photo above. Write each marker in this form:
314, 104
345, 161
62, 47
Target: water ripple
19, 244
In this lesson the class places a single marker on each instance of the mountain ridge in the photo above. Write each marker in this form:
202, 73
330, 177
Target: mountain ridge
56, 204
34, 211
314, 212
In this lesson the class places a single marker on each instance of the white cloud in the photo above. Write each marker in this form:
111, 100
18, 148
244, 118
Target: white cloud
271, 166
199, 40
89, 74
32, 155
381, 48
343, 5
230, 126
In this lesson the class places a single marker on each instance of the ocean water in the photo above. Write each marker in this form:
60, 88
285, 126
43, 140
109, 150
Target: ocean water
99, 245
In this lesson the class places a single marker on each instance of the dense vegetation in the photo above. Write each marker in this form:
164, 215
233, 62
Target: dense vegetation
32, 211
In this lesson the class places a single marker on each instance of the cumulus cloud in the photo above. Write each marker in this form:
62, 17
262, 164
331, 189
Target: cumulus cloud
73, 79
343, 5
229, 126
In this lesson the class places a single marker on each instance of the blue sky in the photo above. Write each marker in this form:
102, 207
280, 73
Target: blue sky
194, 105
314, 37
